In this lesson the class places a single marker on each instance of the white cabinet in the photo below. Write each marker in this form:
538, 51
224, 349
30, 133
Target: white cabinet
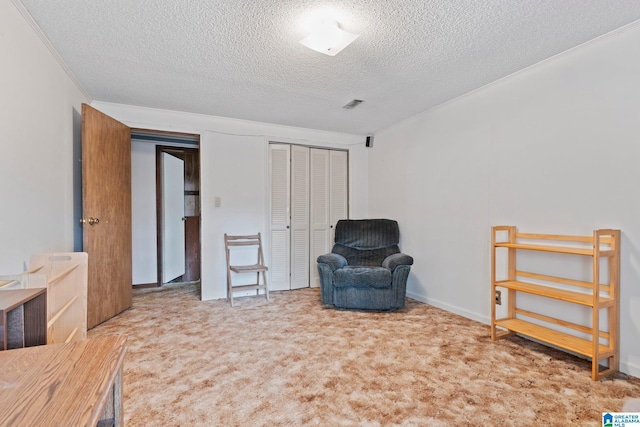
309, 194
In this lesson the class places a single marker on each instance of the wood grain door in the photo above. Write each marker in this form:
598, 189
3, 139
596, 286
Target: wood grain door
192, 248
192, 213
106, 211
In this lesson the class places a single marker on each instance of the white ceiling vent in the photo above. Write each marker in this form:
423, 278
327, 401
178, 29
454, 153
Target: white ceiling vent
352, 104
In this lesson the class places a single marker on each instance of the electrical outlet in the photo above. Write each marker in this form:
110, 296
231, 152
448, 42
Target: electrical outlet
499, 297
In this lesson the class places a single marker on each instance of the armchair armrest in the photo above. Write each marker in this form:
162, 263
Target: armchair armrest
335, 261
392, 261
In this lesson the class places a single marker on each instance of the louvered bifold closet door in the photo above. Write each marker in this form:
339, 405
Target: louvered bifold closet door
320, 231
299, 217
279, 172
338, 189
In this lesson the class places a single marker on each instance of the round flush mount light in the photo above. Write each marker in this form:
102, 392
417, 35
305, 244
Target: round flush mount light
327, 37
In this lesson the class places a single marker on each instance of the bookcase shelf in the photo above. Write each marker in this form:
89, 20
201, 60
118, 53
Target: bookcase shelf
551, 292
22, 318
64, 276
553, 337
599, 340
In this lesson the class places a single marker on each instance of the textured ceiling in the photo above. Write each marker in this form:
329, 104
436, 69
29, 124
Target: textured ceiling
242, 59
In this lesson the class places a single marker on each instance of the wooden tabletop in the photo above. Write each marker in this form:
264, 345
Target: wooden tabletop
59, 384
11, 298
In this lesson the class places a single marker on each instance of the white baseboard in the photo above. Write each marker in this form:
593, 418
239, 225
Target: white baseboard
630, 368
451, 308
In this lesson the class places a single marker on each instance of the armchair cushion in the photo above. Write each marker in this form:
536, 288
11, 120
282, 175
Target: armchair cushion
366, 242
371, 257
335, 261
392, 261
367, 234
357, 277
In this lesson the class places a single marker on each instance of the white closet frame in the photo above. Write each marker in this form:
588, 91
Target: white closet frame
306, 200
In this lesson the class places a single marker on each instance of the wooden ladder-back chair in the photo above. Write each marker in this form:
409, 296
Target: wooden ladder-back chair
259, 267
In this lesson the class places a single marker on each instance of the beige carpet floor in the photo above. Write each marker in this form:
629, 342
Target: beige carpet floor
294, 362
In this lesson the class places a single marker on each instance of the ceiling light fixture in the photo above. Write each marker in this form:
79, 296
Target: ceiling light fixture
327, 37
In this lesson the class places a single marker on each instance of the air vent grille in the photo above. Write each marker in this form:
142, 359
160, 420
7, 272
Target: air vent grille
352, 104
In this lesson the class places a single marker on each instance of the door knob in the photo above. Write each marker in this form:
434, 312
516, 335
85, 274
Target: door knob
91, 220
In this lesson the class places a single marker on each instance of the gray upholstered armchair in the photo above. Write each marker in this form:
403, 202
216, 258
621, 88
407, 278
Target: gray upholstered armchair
365, 269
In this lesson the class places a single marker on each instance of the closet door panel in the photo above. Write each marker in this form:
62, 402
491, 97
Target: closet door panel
309, 194
320, 218
339, 189
279, 171
299, 217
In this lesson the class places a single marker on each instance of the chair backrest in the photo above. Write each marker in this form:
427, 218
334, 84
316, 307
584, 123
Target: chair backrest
366, 242
244, 240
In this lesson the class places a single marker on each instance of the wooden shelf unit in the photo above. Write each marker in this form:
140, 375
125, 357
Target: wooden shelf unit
23, 318
64, 276
603, 343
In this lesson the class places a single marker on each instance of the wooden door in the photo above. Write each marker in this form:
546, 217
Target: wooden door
192, 213
106, 209
192, 248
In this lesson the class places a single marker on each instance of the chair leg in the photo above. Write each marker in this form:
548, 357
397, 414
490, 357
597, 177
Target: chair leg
229, 291
266, 287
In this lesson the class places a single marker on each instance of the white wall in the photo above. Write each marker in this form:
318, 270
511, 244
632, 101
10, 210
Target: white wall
233, 166
39, 138
234, 169
552, 149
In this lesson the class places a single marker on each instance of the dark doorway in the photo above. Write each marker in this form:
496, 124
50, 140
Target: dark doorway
191, 218
149, 147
